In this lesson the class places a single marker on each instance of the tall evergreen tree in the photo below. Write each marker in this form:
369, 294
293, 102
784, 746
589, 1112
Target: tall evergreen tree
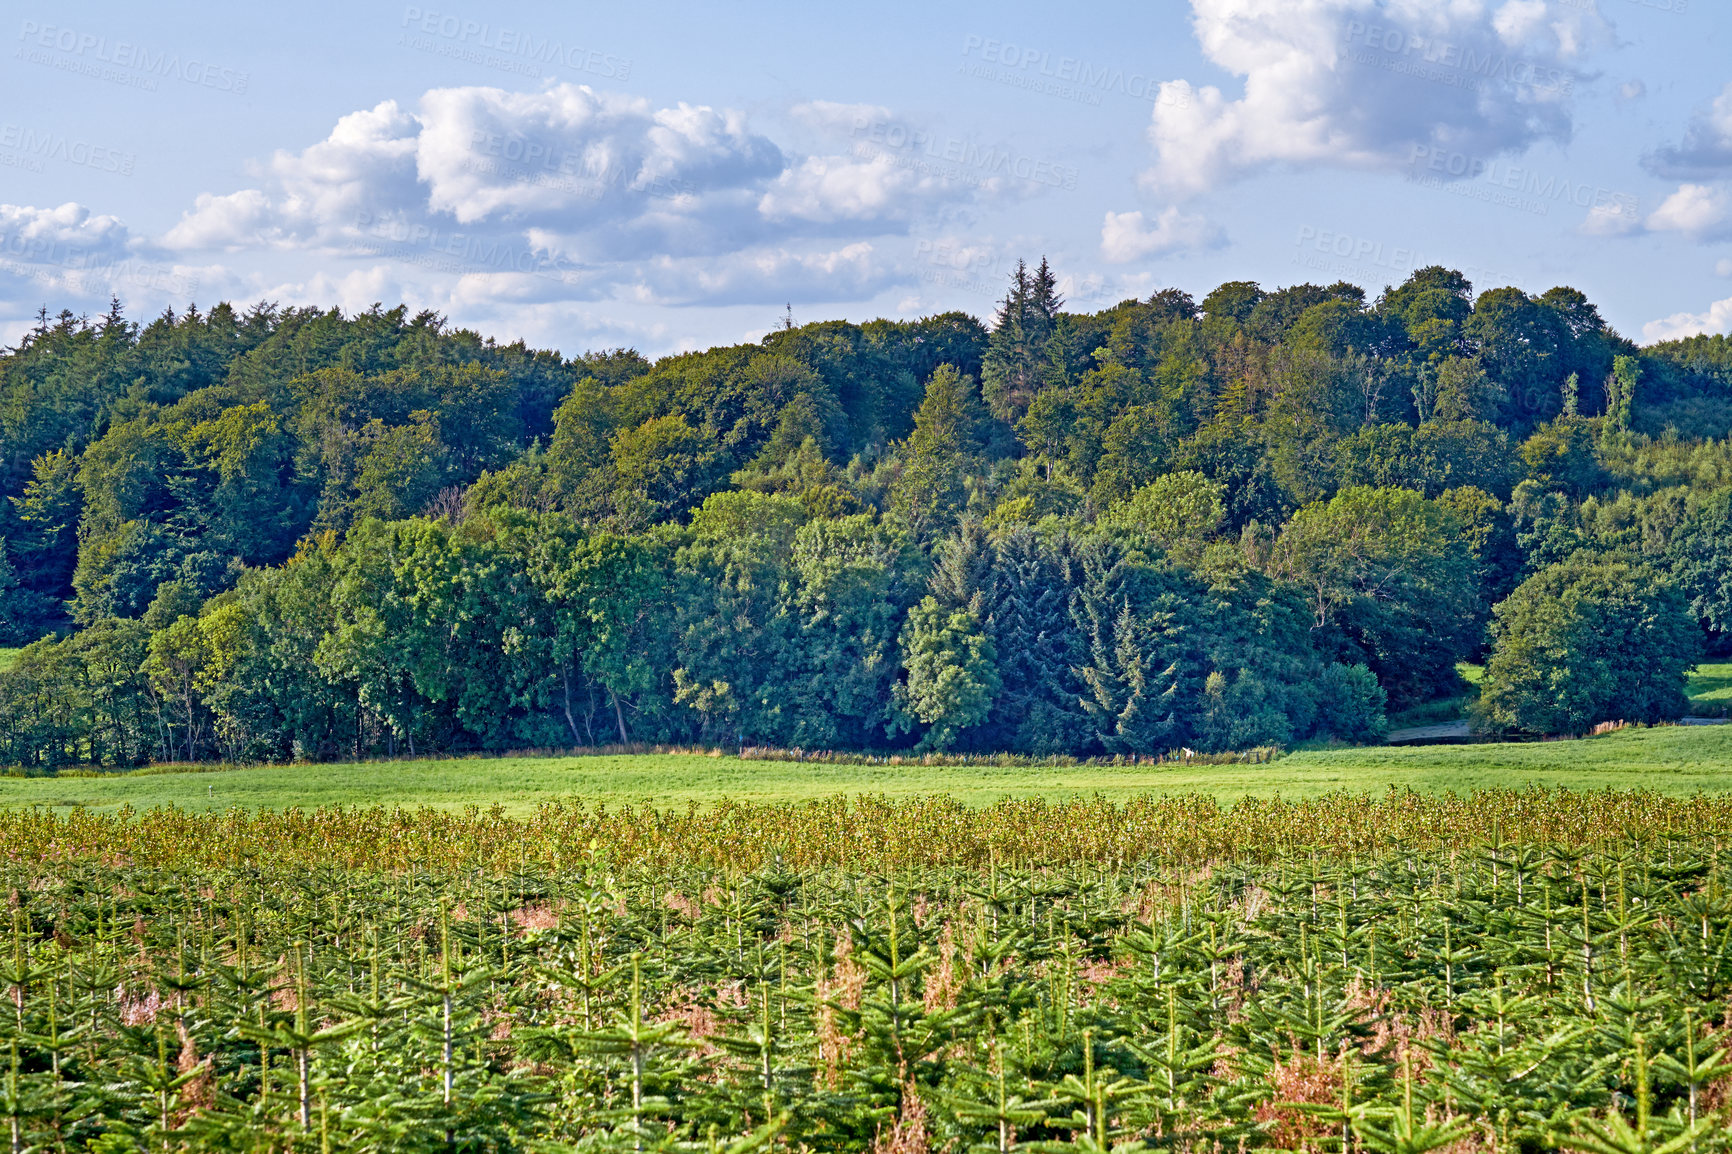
964, 573
1016, 361
1136, 660
940, 455
1037, 709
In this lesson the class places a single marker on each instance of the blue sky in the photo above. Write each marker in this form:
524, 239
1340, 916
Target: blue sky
672, 175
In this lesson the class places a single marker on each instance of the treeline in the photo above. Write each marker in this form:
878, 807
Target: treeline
1257, 519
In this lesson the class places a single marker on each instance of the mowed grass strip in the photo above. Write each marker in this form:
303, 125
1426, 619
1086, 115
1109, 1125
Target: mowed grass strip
1673, 760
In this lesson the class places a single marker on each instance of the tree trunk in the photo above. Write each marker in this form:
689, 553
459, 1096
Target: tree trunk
565, 684
619, 716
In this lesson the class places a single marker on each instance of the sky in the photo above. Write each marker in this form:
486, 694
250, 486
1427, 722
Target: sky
671, 176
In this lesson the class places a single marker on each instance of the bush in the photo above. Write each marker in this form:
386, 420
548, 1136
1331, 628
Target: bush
1351, 705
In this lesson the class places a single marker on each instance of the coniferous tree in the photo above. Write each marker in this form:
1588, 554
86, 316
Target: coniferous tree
964, 573
1016, 362
1135, 661
940, 455
1038, 706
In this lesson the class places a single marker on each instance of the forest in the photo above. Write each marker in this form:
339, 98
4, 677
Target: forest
1264, 518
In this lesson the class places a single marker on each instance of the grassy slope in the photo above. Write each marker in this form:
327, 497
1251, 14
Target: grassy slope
1675, 760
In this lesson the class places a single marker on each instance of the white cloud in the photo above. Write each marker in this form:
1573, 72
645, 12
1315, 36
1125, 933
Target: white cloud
82, 258
1707, 145
590, 176
572, 157
868, 186
1702, 208
1125, 237
1699, 210
770, 275
1613, 217
67, 235
1367, 84
365, 169
1718, 319
568, 193
237, 220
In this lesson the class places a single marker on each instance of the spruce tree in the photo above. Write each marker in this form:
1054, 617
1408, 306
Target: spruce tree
1037, 708
1016, 359
964, 574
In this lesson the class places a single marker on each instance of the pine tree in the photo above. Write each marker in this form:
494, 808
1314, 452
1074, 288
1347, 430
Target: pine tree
1132, 686
1043, 296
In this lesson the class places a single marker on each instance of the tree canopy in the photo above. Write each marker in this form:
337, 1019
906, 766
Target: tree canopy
1265, 517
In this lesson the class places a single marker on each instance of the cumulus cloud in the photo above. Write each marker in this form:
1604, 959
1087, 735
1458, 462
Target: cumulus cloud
768, 275
1717, 319
82, 257
1700, 208
572, 156
869, 186
364, 169
67, 235
571, 193
1617, 216
1707, 144
592, 176
1701, 211
1368, 84
1126, 237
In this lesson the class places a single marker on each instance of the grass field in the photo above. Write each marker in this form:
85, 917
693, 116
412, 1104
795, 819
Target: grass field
1677, 760
1674, 760
1711, 689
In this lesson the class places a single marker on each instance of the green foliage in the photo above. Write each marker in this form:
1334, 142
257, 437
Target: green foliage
1587, 640
1700, 557
1386, 574
1351, 704
1563, 455
941, 454
952, 672
1176, 515
1028, 976
407, 535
